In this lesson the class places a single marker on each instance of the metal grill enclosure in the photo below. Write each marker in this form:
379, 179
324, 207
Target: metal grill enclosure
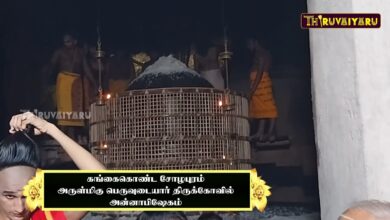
172, 128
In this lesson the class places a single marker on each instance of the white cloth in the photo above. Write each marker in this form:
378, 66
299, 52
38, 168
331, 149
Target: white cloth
214, 77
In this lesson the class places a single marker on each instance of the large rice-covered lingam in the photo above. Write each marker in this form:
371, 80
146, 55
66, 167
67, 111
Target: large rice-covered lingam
171, 118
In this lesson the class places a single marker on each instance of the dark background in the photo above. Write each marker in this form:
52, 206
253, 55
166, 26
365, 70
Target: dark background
31, 30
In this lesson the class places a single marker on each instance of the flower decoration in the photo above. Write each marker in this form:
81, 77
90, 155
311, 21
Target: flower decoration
33, 191
259, 191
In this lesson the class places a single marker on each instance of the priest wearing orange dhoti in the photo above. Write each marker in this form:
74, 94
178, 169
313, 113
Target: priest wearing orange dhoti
262, 107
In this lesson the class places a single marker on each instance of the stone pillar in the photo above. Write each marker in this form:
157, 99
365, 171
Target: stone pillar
351, 104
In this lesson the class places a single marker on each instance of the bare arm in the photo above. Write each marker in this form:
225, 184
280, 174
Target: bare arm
53, 65
55, 58
88, 73
81, 157
259, 76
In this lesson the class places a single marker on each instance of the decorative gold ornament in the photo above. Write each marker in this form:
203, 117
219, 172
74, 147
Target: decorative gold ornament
33, 191
259, 191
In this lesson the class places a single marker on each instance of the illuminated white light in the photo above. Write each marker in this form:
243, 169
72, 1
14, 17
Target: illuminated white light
220, 103
105, 146
223, 157
108, 96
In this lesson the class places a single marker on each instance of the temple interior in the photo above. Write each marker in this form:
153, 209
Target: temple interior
32, 30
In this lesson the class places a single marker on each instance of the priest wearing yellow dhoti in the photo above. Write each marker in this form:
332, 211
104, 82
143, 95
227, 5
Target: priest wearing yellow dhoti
73, 86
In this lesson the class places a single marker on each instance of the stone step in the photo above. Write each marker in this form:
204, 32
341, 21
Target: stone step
292, 194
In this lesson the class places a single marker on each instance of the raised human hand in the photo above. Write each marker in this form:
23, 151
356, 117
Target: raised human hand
19, 123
